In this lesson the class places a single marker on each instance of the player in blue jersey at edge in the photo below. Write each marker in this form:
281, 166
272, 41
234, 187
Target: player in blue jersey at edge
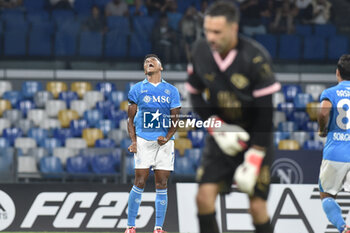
152, 102
334, 123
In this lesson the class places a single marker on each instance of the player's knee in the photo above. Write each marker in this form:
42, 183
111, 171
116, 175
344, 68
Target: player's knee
162, 183
140, 182
257, 207
203, 200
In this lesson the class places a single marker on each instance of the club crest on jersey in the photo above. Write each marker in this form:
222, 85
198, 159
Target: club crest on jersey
239, 80
147, 99
209, 77
167, 91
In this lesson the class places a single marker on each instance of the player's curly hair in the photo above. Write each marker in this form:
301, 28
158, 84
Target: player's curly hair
344, 66
152, 55
224, 8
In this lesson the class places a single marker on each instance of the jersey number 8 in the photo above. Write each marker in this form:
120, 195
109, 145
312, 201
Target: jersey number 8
343, 119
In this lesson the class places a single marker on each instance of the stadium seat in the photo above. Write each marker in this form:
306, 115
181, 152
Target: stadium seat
83, 6
105, 107
269, 41
13, 115
139, 46
4, 143
130, 165
313, 145
77, 127
56, 87
288, 144
37, 153
115, 45
4, 123
24, 125
10, 134
62, 134
316, 137
312, 109
118, 24
143, 26
287, 126
300, 136
24, 144
197, 138
123, 125
39, 135
4, 106
117, 136
301, 100
15, 43
124, 105
41, 97
50, 143
81, 88
314, 48
13, 96
93, 117
91, 135
106, 88
50, 123
290, 47
37, 116
303, 29
90, 44
300, 118
194, 155
278, 136
29, 88
53, 107
183, 165
315, 90
105, 143
40, 43
106, 126
337, 45
92, 97
66, 116
125, 143
34, 5
324, 30
290, 91
116, 116
65, 44
278, 117
68, 96
80, 106
26, 164
287, 108
78, 164
25, 106
5, 86
7, 165
50, 164
59, 16
76, 143
310, 126
181, 144
45, 27
116, 97
103, 164
37, 17
64, 153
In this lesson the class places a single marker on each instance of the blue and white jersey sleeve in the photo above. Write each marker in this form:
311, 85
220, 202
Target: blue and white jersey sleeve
325, 95
175, 99
133, 94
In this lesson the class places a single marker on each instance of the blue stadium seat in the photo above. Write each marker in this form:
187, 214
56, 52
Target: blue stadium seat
125, 143
101, 3
16, 25
287, 108
139, 46
127, 88
15, 43
13, 96
301, 100
65, 44
194, 155
105, 87
290, 47
117, 116
59, 16
34, 5
269, 41
290, 91
197, 138
83, 6
25, 125
278, 136
325, 30
287, 126
313, 145
314, 48
12, 14
50, 164
105, 126
7, 164
90, 44
37, 17
300, 118
184, 4
92, 117
78, 164
25, 106
174, 19
29, 88
10, 134
105, 143
41, 97
50, 143
46, 27
70, 26
103, 164
40, 43
77, 127
118, 24
39, 134
63, 134
310, 126
143, 26
303, 29
4, 143
130, 165
117, 135
337, 46
105, 107
183, 165
115, 45
116, 97
68, 96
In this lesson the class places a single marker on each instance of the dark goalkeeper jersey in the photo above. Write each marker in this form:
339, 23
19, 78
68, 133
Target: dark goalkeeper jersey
233, 86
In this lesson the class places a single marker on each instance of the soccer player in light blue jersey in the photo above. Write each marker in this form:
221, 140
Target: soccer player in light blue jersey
334, 123
153, 105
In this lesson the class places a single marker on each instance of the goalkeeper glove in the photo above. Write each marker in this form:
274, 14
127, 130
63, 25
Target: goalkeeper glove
247, 173
231, 139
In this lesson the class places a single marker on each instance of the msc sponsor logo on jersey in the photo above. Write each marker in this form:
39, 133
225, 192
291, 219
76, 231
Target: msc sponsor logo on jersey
156, 99
7, 211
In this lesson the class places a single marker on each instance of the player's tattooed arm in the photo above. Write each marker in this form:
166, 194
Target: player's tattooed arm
323, 117
132, 109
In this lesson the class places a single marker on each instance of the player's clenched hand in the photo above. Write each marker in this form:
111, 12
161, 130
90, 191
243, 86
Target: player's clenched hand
322, 133
133, 147
231, 139
162, 140
247, 173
